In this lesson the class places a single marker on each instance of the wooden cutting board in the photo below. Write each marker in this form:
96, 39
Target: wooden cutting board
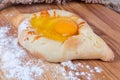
104, 22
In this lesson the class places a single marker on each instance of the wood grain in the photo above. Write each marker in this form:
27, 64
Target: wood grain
105, 23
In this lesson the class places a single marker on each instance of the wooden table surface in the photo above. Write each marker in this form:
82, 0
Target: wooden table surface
104, 22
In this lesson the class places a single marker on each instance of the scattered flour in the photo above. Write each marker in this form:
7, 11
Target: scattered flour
11, 58
11, 55
98, 69
75, 71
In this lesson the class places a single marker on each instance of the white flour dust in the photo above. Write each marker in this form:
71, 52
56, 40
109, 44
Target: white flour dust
11, 58
74, 71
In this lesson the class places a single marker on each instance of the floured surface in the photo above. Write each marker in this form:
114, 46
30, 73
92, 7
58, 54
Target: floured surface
12, 61
17, 64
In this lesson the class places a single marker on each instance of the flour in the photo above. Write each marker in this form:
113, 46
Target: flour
11, 58
23, 26
74, 71
98, 69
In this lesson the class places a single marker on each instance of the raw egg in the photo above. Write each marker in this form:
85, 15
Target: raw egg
54, 27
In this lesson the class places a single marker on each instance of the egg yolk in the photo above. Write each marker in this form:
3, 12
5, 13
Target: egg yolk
65, 27
56, 27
